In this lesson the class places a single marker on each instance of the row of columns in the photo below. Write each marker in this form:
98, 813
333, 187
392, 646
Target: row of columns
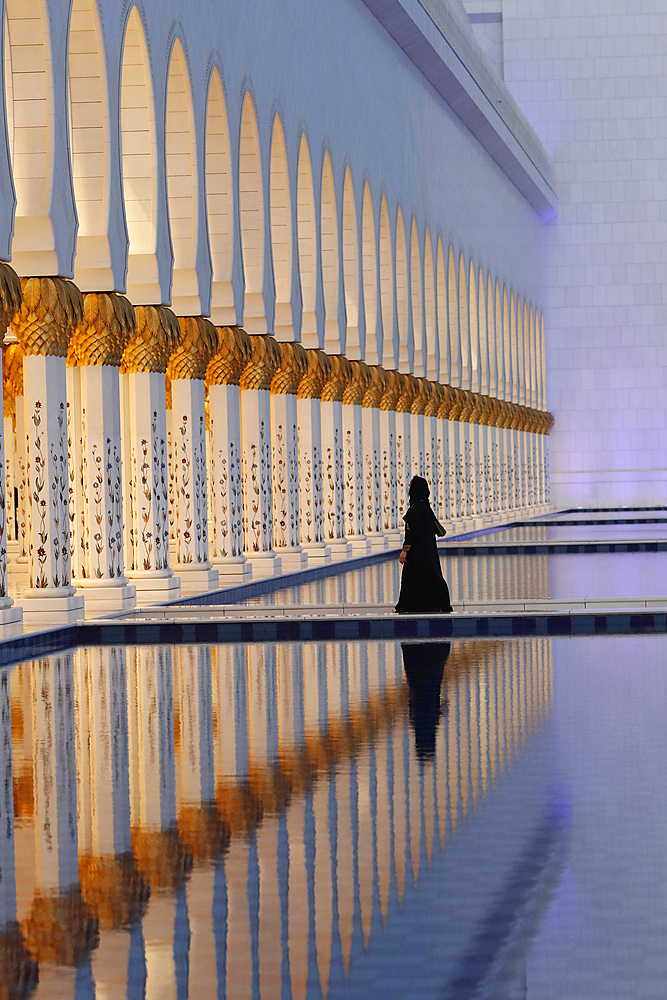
154, 455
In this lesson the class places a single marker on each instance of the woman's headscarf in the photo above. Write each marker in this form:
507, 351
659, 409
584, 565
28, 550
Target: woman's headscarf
418, 489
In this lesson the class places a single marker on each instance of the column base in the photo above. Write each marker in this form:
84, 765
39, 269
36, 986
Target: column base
155, 586
52, 606
319, 553
11, 619
378, 542
197, 577
265, 564
361, 545
340, 549
12, 550
394, 538
293, 559
107, 596
18, 573
233, 570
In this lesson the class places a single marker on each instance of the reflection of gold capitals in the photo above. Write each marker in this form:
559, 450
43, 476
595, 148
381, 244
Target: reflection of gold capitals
409, 392
196, 347
339, 377
202, 831
161, 857
107, 326
11, 297
12, 377
354, 390
264, 361
51, 311
393, 391
233, 354
319, 370
19, 972
293, 366
113, 888
422, 397
155, 338
60, 928
377, 388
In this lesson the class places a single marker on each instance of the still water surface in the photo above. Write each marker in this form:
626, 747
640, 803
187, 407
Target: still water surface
480, 819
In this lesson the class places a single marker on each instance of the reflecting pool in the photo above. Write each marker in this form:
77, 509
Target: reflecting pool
474, 819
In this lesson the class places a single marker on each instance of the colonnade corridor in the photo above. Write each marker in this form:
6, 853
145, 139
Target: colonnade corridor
262, 820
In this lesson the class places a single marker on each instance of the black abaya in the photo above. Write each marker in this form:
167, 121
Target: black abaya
423, 587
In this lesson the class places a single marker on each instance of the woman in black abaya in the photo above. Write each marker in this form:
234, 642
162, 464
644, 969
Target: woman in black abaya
423, 587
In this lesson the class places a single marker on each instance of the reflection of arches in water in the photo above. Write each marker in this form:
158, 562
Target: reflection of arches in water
424, 665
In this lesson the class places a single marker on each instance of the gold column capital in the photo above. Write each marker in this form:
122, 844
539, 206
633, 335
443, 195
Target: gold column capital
12, 377
393, 390
265, 360
409, 391
197, 345
11, 297
339, 378
376, 388
156, 335
423, 393
107, 326
446, 402
293, 367
460, 400
435, 399
51, 311
355, 389
319, 370
233, 354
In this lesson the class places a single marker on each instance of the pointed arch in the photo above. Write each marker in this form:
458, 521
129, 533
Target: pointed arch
417, 299
307, 241
219, 204
534, 359
351, 268
464, 331
443, 340
526, 354
386, 287
514, 349
453, 310
491, 337
251, 205
280, 209
402, 292
483, 340
30, 122
329, 243
369, 273
542, 366
89, 145
521, 373
473, 322
500, 346
181, 158
507, 352
137, 122
431, 365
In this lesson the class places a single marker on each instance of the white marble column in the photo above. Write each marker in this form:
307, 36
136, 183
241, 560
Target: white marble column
404, 444
285, 457
187, 369
444, 483
257, 486
433, 468
455, 460
311, 500
333, 462
226, 501
466, 459
370, 415
353, 457
144, 442
50, 597
420, 460
387, 417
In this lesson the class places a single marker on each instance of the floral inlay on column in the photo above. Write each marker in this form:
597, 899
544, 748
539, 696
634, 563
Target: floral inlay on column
285, 455
310, 455
389, 455
370, 405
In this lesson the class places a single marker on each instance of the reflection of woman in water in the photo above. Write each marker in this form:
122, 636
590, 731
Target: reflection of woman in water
423, 587
424, 665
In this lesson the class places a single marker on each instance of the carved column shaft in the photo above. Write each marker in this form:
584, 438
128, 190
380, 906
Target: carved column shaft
186, 371
144, 433
226, 502
285, 457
